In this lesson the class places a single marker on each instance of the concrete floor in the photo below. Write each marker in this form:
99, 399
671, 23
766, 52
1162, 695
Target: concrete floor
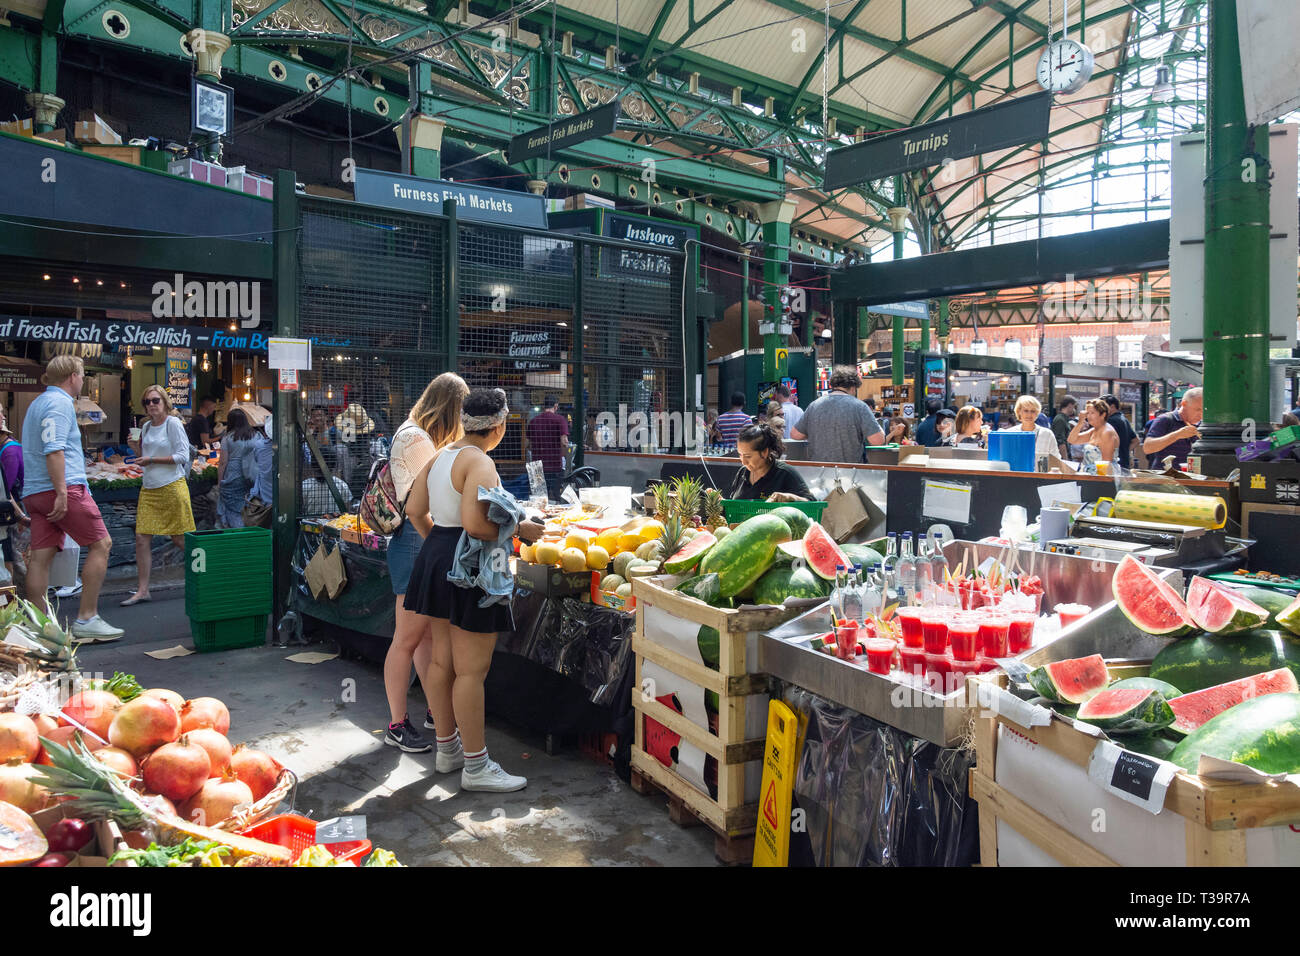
326, 721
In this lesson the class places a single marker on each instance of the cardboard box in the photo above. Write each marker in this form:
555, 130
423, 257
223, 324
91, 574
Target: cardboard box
1271, 482
18, 127
91, 129
123, 154
238, 177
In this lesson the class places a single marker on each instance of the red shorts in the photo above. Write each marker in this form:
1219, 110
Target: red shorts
82, 523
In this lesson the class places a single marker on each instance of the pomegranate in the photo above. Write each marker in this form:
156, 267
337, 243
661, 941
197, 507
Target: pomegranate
205, 712
160, 803
143, 724
173, 698
93, 709
63, 736
260, 771
176, 770
218, 799
18, 788
18, 737
217, 746
119, 760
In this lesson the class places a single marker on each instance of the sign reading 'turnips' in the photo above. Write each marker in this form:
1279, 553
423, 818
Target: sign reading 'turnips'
648, 232
477, 203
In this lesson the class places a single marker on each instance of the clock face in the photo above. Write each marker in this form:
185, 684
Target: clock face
1065, 66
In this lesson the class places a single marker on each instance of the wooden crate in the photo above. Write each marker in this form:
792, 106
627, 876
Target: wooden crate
738, 690
1217, 817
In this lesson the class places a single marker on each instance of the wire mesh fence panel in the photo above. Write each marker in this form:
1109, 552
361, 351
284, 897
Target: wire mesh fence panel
372, 279
631, 305
635, 407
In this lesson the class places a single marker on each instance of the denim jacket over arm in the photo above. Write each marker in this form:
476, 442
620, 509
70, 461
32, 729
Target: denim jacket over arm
486, 564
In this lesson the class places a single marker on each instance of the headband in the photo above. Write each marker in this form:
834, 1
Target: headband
478, 423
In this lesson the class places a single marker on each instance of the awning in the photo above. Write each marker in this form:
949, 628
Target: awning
1187, 366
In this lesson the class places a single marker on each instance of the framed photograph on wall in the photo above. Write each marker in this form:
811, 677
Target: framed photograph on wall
212, 106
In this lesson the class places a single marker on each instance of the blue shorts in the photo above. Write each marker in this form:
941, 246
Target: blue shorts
402, 549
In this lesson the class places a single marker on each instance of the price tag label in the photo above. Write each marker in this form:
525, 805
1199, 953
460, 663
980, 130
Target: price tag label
1140, 780
341, 829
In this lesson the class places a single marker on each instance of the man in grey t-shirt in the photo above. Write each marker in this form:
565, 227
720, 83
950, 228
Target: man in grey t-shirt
838, 425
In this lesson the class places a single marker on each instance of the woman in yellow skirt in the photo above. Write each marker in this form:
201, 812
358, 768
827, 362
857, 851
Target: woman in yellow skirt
164, 506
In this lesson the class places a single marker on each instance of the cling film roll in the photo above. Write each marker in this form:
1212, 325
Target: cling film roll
1201, 511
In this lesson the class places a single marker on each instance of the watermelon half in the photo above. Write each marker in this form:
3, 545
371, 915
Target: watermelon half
1197, 708
822, 553
1072, 681
1289, 616
1209, 659
1263, 732
689, 555
1148, 683
1127, 710
1147, 601
1219, 609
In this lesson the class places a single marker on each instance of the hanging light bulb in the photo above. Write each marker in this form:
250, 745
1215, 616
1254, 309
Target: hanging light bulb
247, 396
329, 392
129, 363
206, 365
1162, 91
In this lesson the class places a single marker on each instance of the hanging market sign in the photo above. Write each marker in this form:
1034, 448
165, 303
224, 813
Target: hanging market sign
646, 232
122, 334
475, 203
917, 309
544, 140
1013, 123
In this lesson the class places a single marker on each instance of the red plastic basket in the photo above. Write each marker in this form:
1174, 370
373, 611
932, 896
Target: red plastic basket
297, 833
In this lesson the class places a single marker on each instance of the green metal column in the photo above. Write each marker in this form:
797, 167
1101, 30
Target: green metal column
925, 330
285, 404
776, 248
1236, 248
579, 368
898, 222
693, 357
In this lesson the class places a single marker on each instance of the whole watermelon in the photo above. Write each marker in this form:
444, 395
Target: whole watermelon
1275, 602
707, 640
702, 587
862, 554
1196, 663
743, 556
1263, 732
796, 519
780, 583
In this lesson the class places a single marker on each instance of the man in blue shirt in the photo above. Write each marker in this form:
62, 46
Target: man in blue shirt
57, 498
927, 432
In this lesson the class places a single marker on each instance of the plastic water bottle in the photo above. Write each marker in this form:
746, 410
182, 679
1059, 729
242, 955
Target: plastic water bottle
854, 610
906, 572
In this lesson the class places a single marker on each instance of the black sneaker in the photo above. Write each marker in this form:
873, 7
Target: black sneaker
428, 720
405, 736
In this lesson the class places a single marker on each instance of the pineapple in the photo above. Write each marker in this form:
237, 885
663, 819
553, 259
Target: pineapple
688, 490
663, 503
713, 517
96, 792
672, 540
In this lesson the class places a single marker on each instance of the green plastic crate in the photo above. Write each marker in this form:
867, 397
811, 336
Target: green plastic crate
229, 634
236, 580
738, 509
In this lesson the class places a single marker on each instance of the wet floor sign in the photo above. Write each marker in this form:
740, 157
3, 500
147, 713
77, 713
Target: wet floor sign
772, 841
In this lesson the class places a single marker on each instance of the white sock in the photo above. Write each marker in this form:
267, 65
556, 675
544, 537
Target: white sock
476, 762
449, 745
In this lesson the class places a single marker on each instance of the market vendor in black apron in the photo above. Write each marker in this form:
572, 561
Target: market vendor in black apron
762, 473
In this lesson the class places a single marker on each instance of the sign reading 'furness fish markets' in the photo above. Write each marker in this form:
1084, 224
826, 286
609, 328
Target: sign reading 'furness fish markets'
546, 140
1013, 123
477, 203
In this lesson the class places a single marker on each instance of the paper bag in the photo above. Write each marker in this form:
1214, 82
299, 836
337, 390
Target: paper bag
846, 511
314, 572
336, 578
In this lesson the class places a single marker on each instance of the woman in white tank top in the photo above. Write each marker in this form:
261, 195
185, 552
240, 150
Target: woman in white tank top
443, 505
434, 423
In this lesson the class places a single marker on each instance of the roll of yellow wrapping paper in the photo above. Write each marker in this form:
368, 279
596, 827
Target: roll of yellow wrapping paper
1202, 511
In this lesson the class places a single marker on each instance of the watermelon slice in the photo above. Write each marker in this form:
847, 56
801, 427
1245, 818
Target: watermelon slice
1072, 681
1263, 732
822, 553
1127, 710
1147, 601
1148, 683
1219, 609
1289, 616
690, 553
1195, 709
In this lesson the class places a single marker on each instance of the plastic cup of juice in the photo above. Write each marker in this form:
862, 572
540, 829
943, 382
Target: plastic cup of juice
846, 640
994, 633
934, 631
909, 620
1020, 633
880, 655
963, 636
1072, 612
912, 660
937, 667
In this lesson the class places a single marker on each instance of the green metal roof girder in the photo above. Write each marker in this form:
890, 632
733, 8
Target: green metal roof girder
18, 53
479, 123
648, 50
837, 36
250, 60
694, 27
151, 30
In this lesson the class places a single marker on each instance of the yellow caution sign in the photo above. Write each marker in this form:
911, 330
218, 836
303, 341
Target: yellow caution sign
782, 356
772, 842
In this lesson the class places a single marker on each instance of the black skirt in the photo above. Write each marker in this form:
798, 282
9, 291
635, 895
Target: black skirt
431, 594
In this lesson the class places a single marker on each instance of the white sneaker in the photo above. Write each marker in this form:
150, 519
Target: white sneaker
492, 778
72, 590
446, 763
96, 629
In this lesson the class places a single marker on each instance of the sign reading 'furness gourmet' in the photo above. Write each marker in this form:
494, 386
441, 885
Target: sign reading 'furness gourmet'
1013, 123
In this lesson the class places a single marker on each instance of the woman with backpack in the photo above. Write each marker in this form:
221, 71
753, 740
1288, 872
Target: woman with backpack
164, 508
434, 422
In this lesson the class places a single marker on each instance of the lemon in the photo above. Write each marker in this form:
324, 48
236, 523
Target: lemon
547, 552
608, 539
597, 557
573, 559
579, 539
629, 541
651, 531
528, 552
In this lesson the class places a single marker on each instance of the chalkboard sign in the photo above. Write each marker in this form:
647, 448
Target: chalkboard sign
180, 377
